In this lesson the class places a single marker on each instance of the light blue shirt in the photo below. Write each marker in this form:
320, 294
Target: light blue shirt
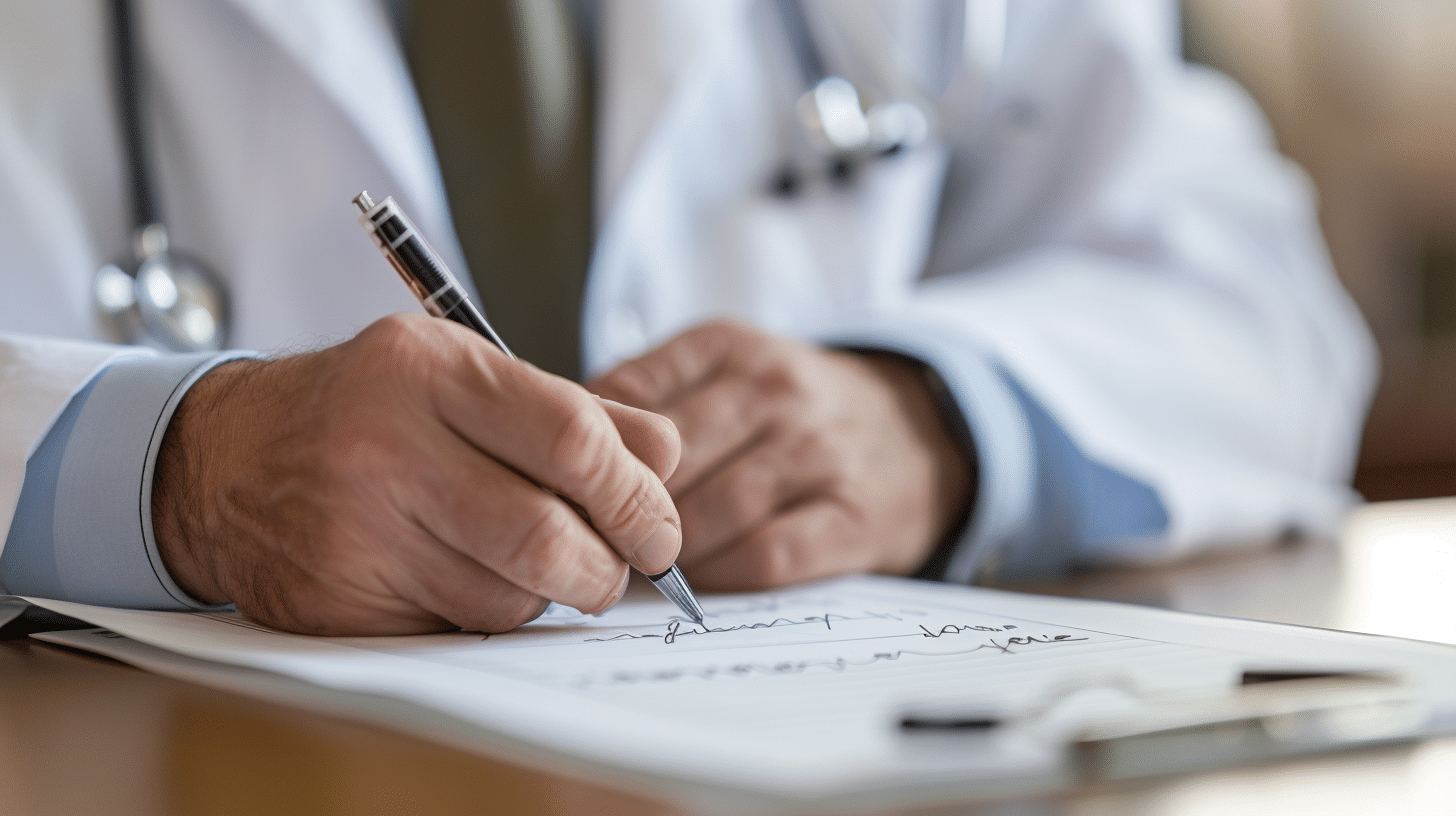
82, 530
83, 527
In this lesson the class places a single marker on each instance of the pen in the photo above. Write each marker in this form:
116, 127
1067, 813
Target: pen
426, 275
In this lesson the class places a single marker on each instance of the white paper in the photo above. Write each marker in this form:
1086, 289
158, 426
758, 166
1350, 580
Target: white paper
801, 691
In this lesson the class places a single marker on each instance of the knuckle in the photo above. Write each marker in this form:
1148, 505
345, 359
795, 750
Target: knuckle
633, 511
747, 496
810, 444
721, 328
722, 336
392, 335
608, 588
582, 442
816, 449
631, 383
391, 354
666, 454
543, 546
739, 331
780, 379
506, 612
772, 560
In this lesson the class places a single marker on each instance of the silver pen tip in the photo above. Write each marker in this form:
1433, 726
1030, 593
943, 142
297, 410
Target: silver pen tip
364, 202
672, 584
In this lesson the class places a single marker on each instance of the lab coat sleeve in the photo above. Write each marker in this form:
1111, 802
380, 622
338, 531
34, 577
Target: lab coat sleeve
38, 377
81, 529
1144, 331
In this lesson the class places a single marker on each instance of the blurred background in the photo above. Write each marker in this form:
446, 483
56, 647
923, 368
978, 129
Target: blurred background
1362, 93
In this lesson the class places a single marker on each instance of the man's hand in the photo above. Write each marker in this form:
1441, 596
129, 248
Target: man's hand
798, 462
389, 485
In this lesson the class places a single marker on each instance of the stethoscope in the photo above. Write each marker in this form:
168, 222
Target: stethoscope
177, 302
160, 294
830, 115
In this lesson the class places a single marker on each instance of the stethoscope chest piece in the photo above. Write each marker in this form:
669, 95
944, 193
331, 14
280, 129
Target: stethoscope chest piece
172, 299
162, 296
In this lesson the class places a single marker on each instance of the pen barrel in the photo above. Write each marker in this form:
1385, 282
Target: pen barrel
422, 269
452, 303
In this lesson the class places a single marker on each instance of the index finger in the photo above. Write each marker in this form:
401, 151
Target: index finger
667, 373
556, 434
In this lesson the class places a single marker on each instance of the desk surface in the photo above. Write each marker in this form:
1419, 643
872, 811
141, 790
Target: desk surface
80, 734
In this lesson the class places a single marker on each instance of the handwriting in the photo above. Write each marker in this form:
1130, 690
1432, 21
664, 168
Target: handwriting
675, 630
1027, 640
955, 629
785, 667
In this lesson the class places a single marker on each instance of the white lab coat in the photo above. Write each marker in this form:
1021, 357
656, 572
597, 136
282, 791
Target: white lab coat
1127, 246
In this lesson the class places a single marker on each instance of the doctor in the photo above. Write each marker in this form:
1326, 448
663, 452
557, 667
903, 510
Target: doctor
1088, 319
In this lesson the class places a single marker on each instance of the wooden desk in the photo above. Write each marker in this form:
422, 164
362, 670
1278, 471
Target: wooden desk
83, 735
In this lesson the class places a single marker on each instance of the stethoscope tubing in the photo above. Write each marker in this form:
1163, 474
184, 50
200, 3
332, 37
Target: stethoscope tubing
125, 61
166, 295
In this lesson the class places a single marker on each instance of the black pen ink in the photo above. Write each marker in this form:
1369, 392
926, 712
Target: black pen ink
675, 630
838, 665
1028, 640
826, 617
955, 629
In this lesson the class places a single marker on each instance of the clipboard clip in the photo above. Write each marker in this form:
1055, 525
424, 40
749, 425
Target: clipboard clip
1270, 715
1259, 723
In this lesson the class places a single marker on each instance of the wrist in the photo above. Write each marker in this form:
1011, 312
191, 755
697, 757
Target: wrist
186, 480
933, 567
945, 439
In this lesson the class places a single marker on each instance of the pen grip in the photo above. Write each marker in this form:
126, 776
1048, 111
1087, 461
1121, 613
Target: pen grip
452, 303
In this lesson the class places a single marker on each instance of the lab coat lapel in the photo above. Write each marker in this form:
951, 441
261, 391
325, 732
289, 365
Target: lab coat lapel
645, 49
347, 48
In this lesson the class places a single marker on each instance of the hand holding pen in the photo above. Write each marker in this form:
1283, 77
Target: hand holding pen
426, 275
391, 484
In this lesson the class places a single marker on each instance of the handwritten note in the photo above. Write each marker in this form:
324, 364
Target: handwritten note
792, 632
828, 668
796, 691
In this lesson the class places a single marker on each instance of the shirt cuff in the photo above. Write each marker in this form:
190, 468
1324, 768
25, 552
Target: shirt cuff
1042, 507
83, 528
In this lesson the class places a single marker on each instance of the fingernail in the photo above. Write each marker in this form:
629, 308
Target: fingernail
619, 592
656, 553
